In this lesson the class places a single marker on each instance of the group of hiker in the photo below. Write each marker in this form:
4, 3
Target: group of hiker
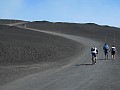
106, 50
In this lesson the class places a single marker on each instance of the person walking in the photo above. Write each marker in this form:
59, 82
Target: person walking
113, 51
94, 51
106, 49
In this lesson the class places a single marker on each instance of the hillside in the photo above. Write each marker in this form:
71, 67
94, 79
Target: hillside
75, 28
21, 50
10, 21
21, 46
97, 32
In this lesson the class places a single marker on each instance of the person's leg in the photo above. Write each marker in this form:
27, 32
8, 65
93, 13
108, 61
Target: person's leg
113, 55
105, 54
93, 58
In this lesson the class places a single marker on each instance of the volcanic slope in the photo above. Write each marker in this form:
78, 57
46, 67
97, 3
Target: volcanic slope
104, 33
23, 52
80, 75
10, 21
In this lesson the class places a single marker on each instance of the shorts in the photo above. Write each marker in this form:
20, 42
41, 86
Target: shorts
113, 52
93, 54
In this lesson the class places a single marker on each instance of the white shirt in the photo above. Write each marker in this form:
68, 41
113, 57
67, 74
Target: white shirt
95, 51
113, 48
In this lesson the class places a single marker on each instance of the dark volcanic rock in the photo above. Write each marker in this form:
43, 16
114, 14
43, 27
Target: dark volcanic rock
24, 46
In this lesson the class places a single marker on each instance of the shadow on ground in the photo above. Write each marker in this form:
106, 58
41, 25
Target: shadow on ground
83, 64
105, 59
88, 64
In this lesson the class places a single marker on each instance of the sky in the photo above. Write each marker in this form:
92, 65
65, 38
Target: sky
102, 12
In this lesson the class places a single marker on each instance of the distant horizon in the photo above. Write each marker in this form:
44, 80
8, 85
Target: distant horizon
60, 22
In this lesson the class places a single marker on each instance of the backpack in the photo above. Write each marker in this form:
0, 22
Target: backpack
106, 47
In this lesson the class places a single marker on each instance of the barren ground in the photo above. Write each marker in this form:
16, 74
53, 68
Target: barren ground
25, 52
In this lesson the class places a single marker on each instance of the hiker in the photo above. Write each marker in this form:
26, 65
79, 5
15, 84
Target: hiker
113, 51
94, 51
106, 49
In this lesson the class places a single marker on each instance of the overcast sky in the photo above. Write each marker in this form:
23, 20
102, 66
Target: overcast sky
103, 12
